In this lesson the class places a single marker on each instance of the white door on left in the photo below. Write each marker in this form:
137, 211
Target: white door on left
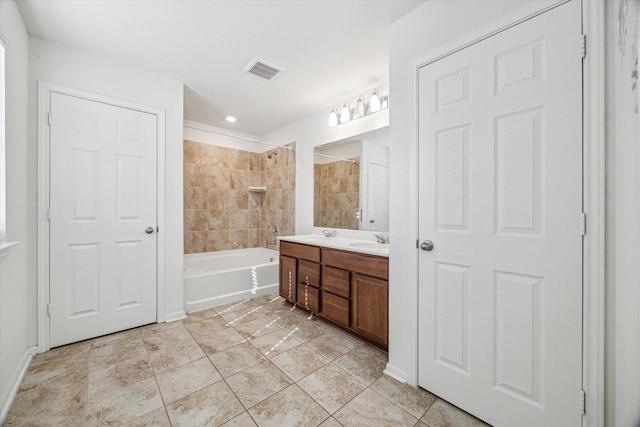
103, 202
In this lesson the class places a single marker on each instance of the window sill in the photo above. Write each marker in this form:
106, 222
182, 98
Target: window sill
5, 247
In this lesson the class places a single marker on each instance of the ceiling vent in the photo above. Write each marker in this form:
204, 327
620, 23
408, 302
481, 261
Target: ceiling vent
263, 69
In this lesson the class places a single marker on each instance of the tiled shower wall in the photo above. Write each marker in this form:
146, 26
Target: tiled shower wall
336, 194
219, 211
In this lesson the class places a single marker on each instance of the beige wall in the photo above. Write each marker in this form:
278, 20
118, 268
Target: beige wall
219, 211
337, 195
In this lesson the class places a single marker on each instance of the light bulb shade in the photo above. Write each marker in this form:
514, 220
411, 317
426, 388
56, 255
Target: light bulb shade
385, 102
374, 102
333, 118
345, 113
358, 111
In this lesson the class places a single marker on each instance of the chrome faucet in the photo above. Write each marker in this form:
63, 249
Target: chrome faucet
328, 233
382, 238
274, 231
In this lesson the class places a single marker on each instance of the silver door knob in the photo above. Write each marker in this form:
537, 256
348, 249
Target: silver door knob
148, 230
427, 245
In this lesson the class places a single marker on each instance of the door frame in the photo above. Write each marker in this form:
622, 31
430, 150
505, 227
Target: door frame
45, 89
593, 335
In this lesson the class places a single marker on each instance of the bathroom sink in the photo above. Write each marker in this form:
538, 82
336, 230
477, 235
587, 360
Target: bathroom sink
311, 238
369, 245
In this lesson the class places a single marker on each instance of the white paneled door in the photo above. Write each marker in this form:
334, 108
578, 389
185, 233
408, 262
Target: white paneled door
103, 194
500, 143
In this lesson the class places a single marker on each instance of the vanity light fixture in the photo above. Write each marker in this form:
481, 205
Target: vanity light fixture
230, 119
345, 113
358, 111
376, 103
333, 118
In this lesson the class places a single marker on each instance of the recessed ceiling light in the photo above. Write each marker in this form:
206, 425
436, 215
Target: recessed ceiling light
230, 119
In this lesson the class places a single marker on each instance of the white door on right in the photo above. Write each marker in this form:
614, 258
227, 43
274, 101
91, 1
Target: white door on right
500, 293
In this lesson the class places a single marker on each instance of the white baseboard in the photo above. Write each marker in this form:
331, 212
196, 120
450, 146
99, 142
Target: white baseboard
395, 373
14, 384
172, 317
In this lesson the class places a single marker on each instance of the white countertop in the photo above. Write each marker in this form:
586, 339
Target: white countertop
370, 247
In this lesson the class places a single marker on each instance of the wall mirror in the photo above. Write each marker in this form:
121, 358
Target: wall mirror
351, 183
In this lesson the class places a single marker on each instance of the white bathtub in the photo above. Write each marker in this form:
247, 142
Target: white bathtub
216, 278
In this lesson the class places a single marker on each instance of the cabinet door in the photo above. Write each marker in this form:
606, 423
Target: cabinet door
370, 307
288, 275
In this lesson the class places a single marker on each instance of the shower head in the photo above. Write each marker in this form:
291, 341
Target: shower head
271, 154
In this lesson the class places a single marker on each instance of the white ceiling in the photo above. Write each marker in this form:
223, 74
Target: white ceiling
331, 50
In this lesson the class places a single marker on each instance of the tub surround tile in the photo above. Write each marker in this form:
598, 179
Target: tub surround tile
369, 408
213, 405
289, 407
257, 383
186, 379
216, 197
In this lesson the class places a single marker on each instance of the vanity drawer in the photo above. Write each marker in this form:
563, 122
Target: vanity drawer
335, 308
308, 298
309, 271
296, 250
366, 264
336, 281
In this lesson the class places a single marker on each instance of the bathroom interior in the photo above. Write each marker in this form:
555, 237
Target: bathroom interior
314, 203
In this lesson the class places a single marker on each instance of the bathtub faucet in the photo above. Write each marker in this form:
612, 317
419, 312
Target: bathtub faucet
274, 231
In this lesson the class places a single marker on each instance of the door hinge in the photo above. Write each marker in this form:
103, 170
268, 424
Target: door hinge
583, 223
49, 214
48, 309
49, 120
583, 45
417, 243
583, 402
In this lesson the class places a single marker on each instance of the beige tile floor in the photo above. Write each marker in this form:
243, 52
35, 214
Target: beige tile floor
257, 362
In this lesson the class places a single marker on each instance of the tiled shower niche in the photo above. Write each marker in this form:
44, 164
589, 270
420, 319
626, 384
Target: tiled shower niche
219, 211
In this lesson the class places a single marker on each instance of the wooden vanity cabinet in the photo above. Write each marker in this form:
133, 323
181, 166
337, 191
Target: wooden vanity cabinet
370, 307
288, 278
300, 272
347, 289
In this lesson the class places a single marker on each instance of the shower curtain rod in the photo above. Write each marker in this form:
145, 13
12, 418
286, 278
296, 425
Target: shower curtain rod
238, 137
335, 158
